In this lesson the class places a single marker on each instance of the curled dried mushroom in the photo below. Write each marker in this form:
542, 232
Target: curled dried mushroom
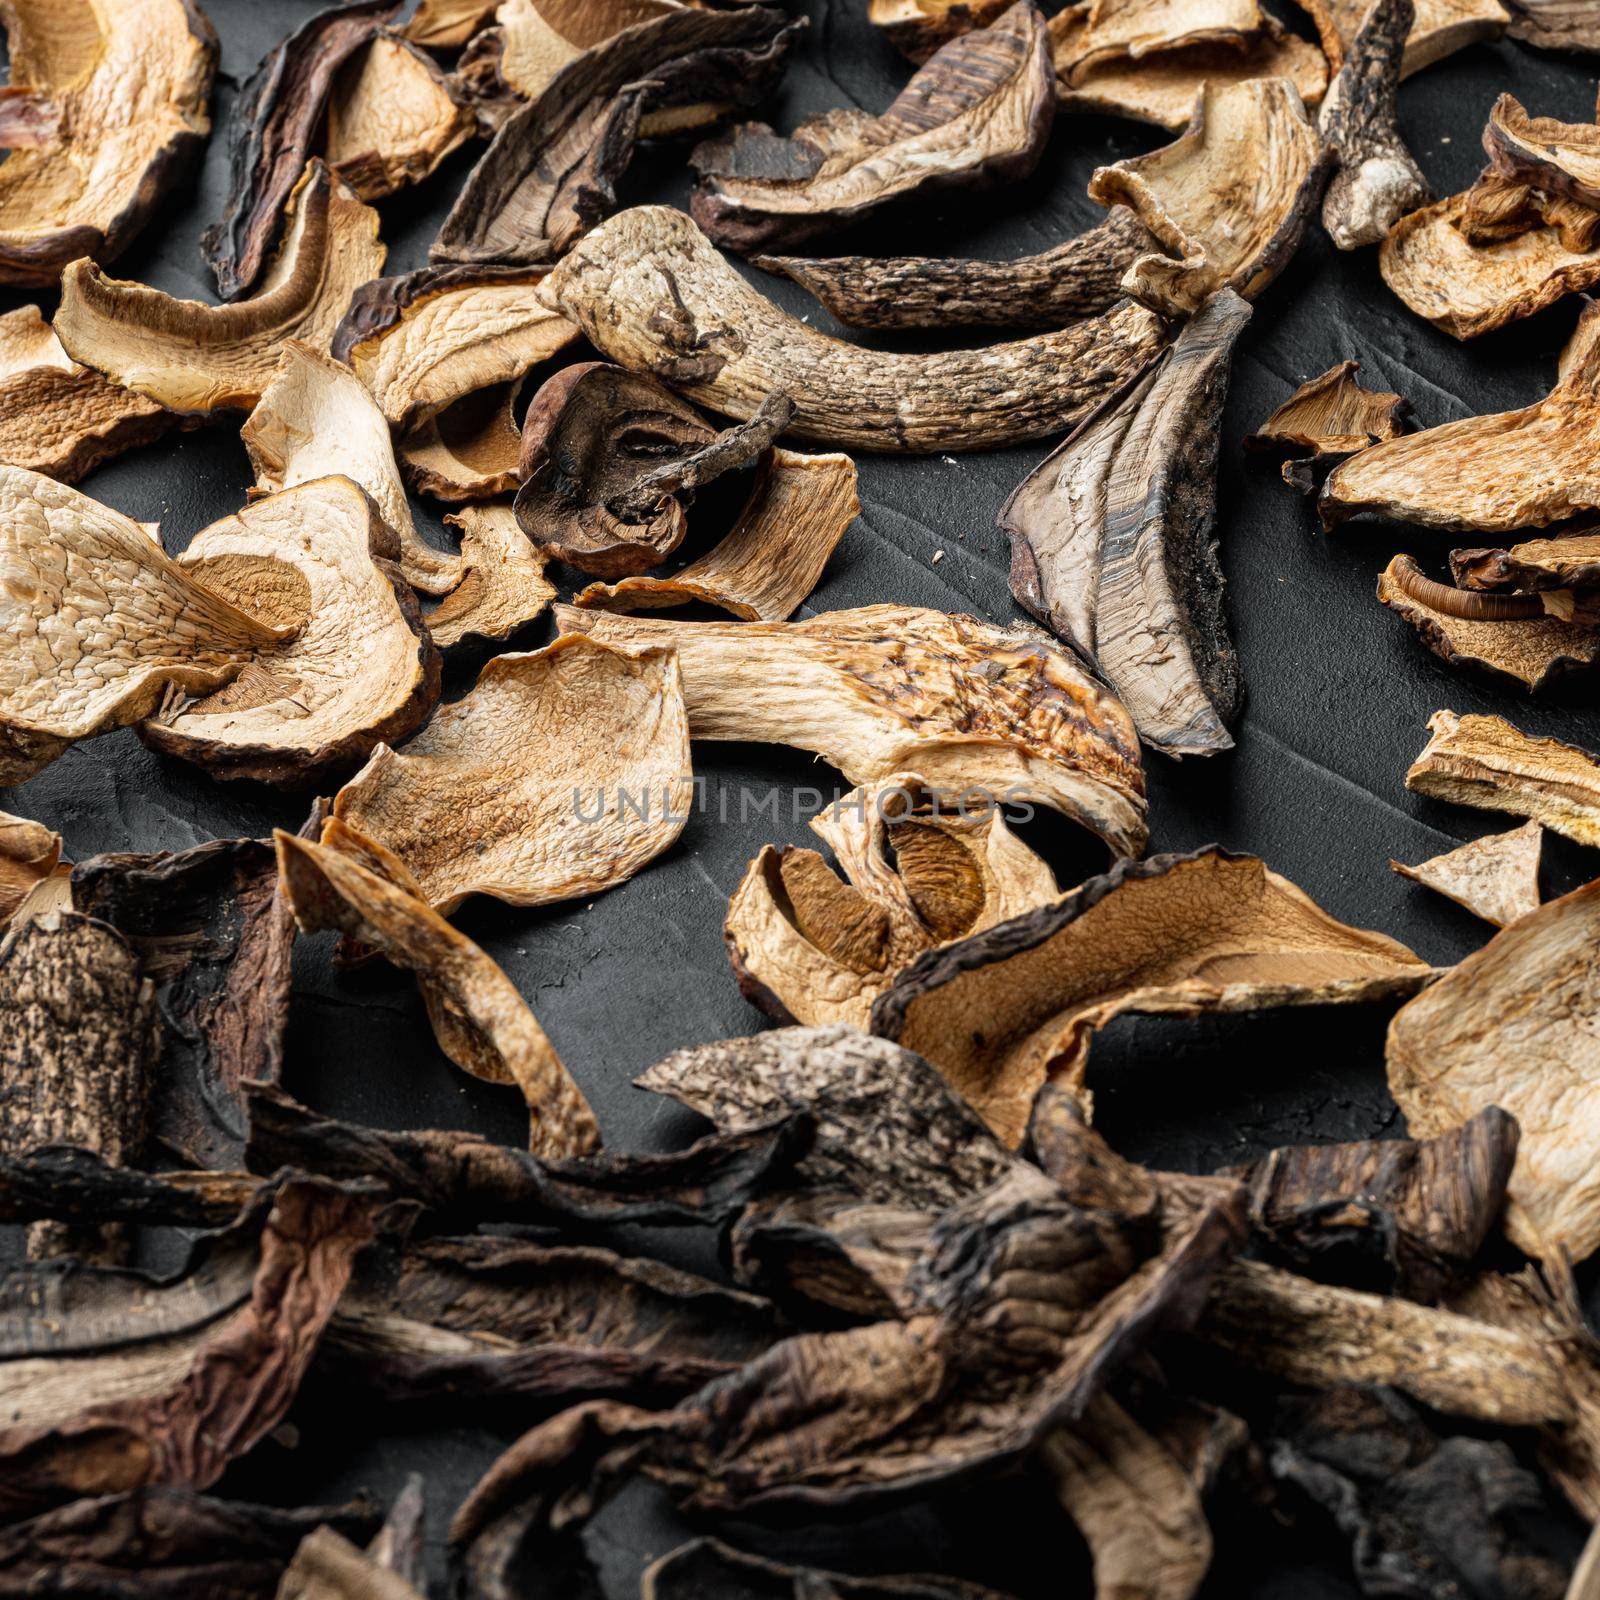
1545, 153
30, 854
1441, 27
469, 451
1327, 419
503, 586
539, 37
1538, 566
917, 28
1496, 878
1556, 24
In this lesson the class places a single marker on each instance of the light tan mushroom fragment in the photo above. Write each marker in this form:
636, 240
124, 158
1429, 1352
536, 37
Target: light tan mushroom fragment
57, 417
119, 92
1328, 418
349, 884
101, 624
1553, 156
1487, 763
470, 450
1088, 33
198, 358
1440, 29
1009, 1009
797, 513
1515, 1025
1558, 25
887, 689
1496, 877
29, 855
649, 291
539, 37
315, 419
562, 773
448, 24
917, 28
504, 587
360, 668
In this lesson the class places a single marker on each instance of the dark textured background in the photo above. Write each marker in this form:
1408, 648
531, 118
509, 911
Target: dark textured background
1338, 695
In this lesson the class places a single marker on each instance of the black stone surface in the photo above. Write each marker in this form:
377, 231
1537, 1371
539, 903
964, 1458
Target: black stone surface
1338, 695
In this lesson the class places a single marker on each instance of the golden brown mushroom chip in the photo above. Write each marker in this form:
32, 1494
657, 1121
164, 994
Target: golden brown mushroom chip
1514, 1025
1539, 566
539, 37
1331, 416
504, 587
1007, 1010
1441, 28
917, 28
359, 668
315, 419
351, 884
1487, 763
560, 774
1091, 32
887, 689
448, 24
1496, 877
470, 450
1548, 154
197, 358
29, 856
101, 624
108, 107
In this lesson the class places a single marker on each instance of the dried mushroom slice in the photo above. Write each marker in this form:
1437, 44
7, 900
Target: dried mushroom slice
359, 669
1556, 25
195, 358
448, 24
1496, 877
1514, 1025
540, 37
571, 762
113, 98
30, 854
798, 511
887, 689
1089, 33
1177, 935
328, 1567
470, 450
1497, 208
1440, 29
1485, 762
391, 119
809, 947
916, 28
103, 624
1550, 155
504, 587
275, 123
709, 1567
57, 417
1571, 561
977, 114
649, 291
1518, 469
315, 419
352, 885
1331, 417
1112, 543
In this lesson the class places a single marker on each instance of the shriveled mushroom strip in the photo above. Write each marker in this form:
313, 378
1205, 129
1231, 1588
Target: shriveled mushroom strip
1496, 878
198, 358
1007, 1010
504, 587
1441, 27
887, 689
648, 289
482, 1023
470, 450
100, 623
560, 774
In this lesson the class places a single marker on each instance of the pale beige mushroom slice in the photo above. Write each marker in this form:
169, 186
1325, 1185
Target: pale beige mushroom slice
315, 419
1485, 762
1090, 32
504, 587
30, 854
197, 358
539, 37
57, 417
101, 625
108, 107
391, 118
561, 773
1515, 1026
448, 24
359, 670
352, 884
1441, 28
798, 510
887, 689
470, 450
1496, 878
809, 946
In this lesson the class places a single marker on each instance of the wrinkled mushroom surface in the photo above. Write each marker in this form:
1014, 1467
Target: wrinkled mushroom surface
1087, 34
1548, 154
1571, 561
1441, 27
503, 587
1331, 416
1496, 877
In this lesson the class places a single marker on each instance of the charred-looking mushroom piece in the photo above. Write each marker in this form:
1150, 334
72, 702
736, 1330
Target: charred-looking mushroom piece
469, 451
887, 689
1556, 25
916, 28
1112, 544
108, 107
977, 114
1441, 28
504, 587
1518, 469
275, 122
1327, 419
1181, 935
103, 624
530, 788
359, 667
548, 174
1496, 878
196, 358
649, 291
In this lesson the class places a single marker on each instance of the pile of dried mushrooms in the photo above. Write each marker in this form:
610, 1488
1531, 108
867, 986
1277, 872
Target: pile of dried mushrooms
921, 1266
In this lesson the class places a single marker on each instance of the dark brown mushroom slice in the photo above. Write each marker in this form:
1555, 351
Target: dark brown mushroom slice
1496, 877
275, 123
1556, 25
1537, 566
1544, 152
708, 1567
1376, 179
548, 174
916, 28
1113, 549
977, 114
1329, 418
68, 1185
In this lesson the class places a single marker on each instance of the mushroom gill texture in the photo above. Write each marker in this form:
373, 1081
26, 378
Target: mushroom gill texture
650, 292
359, 670
1496, 877
107, 108
101, 624
195, 358
561, 773
887, 689
1441, 27
1016, 1006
